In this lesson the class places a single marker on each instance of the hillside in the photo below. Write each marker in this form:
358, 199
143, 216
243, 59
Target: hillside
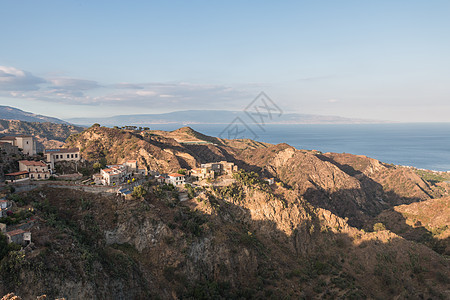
157, 150
11, 113
48, 135
426, 222
240, 242
334, 226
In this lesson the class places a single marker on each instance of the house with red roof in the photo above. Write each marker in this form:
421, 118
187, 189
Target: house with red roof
19, 236
176, 179
37, 170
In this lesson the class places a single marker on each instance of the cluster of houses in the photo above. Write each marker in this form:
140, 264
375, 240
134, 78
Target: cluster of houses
117, 174
209, 170
41, 170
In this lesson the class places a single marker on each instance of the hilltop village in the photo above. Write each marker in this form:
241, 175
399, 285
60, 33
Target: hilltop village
134, 213
122, 179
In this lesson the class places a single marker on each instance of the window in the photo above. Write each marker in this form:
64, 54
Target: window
68, 156
27, 142
71, 156
76, 155
57, 156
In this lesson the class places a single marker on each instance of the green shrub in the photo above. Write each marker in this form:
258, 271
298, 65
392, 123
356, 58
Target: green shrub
379, 227
139, 192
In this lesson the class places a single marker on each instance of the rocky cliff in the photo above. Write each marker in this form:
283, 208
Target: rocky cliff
324, 231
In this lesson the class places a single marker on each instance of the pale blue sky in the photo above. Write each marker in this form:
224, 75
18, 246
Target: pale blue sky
381, 60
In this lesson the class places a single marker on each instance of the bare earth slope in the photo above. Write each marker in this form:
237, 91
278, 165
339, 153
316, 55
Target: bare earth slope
308, 237
48, 135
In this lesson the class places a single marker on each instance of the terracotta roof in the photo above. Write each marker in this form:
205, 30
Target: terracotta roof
176, 175
62, 150
33, 163
17, 173
131, 161
8, 138
15, 232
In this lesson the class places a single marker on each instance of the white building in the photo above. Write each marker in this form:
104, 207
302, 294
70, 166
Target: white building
175, 179
24, 142
37, 170
114, 174
117, 174
62, 154
220, 168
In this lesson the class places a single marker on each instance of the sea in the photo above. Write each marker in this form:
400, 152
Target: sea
421, 145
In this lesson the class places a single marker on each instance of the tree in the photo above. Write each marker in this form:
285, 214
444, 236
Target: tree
97, 166
379, 227
182, 171
139, 192
3, 245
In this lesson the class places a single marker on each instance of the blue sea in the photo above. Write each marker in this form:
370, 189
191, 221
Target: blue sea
422, 145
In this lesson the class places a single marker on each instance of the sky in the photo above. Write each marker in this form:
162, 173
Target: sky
386, 60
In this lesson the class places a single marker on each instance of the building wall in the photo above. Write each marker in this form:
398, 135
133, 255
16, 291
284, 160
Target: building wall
23, 167
39, 175
70, 156
176, 180
27, 145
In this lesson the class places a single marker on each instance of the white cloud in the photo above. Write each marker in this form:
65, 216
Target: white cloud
21, 84
13, 79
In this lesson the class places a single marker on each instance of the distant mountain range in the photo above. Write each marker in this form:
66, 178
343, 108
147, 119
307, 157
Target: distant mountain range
11, 113
185, 117
216, 117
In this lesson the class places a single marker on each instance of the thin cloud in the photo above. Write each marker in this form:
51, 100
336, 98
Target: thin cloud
184, 95
126, 85
14, 80
73, 84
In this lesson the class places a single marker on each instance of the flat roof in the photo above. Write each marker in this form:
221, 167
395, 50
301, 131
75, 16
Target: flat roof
33, 163
8, 138
62, 150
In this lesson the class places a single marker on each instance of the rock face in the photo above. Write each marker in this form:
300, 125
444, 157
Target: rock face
156, 150
353, 187
229, 242
300, 238
48, 135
